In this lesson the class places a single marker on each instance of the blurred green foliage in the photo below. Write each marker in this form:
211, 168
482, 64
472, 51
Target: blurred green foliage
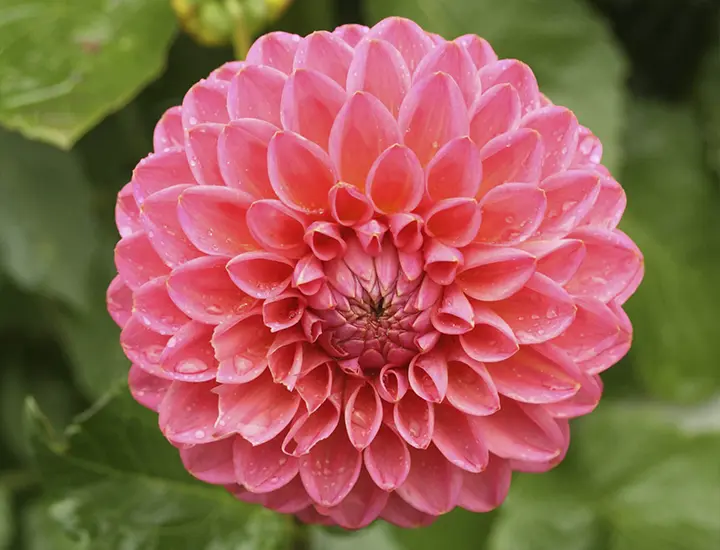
92, 76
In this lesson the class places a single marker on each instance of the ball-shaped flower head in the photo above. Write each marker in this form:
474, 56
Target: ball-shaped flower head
369, 273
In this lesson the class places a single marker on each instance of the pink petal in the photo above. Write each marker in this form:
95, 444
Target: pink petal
286, 357
361, 506
433, 485
406, 230
558, 259
226, 71
428, 378
159, 171
143, 346
491, 339
261, 274
201, 148
213, 218
570, 197
479, 49
314, 387
308, 275
331, 469
188, 412
255, 92
119, 301
363, 129
400, 513
415, 420
156, 310
432, 113
392, 383
454, 60
242, 155
609, 206
495, 112
348, 205
387, 459
363, 415
539, 312
310, 103
277, 228
283, 311
427, 295
521, 432
275, 49
127, 213
300, 172
210, 462
395, 181
290, 499
407, 36
582, 403
205, 102
258, 410
515, 156
311, 428
542, 466
246, 335
454, 313
263, 468
456, 439
203, 290
559, 130
137, 262
379, 69
352, 33
240, 369
169, 131
610, 266
146, 389
442, 262
589, 150
326, 53
595, 329
491, 273
519, 75
370, 236
470, 387
188, 356
455, 171
454, 222
511, 213
486, 490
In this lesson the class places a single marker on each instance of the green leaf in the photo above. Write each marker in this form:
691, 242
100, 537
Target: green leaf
672, 215
41, 532
47, 232
568, 46
6, 522
377, 536
117, 483
65, 65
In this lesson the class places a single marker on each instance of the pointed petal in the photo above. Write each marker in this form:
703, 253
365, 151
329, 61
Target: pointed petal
511, 213
491, 273
433, 485
491, 340
188, 412
246, 335
415, 420
311, 428
351, 33
495, 112
453, 59
283, 311
407, 37
361, 506
127, 213
609, 206
201, 148
275, 49
395, 181
589, 150
363, 415
400, 513
454, 222
486, 490
226, 71
387, 459
456, 439
326, 53
137, 262
542, 466
119, 301
479, 49
514, 156
595, 329
205, 102
242, 156
159, 171
455, 171
240, 369
314, 387
570, 196
348, 205
470, 387
454, 313
516, 73
262, 468
154, 308
308, 275
558, 259
210, 462
169, 131
146, 389
277, 228
255, 92
406, 230
442, 262
261, 274
392, 383
188, 355
143, 346
559, 131
582, 403
290, 499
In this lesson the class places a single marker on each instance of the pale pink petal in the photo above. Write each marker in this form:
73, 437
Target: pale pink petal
387, 459
275, 49
455, 171
610, 266
255, 92
609, 205
491, 273
206, 101
415, 420
137, 262
159, 171
441, 262
300, 173
453, 59
407, 36
486, 490
511, 213
143, 346
188, 356
595, 329
453, 314
491, 340
363, 415
495, 112
433, 485
127, 213
406, 230
258, 410
263, 468
470, 387
242, 156
204, 291
188, 412
119, 299
361, 506
213, 218
201, 148
261, 274
352, 33
379, 69
456, 439
432, 113
454, 222
559, 131
364, 128
395, 181
348, 205
326, 53
210, 462
400, 513
589, 150
310, 103
515, 156
558, 259
169, 131
146, 389
331, 469
516, 73
155, 309
479, 49
277, 228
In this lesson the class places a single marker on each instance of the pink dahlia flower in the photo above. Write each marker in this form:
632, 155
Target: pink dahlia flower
369, 273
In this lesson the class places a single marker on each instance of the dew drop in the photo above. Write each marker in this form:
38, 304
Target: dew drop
191, 366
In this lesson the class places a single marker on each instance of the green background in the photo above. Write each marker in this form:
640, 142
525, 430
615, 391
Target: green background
82, 83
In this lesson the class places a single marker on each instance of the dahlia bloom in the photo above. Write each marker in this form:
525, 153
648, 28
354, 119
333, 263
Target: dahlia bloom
369, 273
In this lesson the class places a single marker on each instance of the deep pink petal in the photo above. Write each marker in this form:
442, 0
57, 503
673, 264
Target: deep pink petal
406, 230
275, 49
400, 513
245, 335
559, 131
315, 386
283, 311
582, 403
395, 181
558, 259
263, 468
255, 92
589, 150
169, 131
326, 53
143, 346
441, 262
486, 490
311, 428
308, 275
479, 49
570, 196
595, 329
387, 459
226, 71
363, 415
210, 462
491, 340
515, 156
156, 310
201, 148
146, 389
491, 273
137, 262
456, 438
428, 378
261, 274
242, 155
511, 213
495, 112
609, 206
455, 171
470, 387
453, 314
127, 213
415, 420
453, 59
361, 506
516, 73
159, 171
433, 485
205, 102
188, 412
392, 383
277, 228
188, 355
348, 205
454, 222
119, 299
